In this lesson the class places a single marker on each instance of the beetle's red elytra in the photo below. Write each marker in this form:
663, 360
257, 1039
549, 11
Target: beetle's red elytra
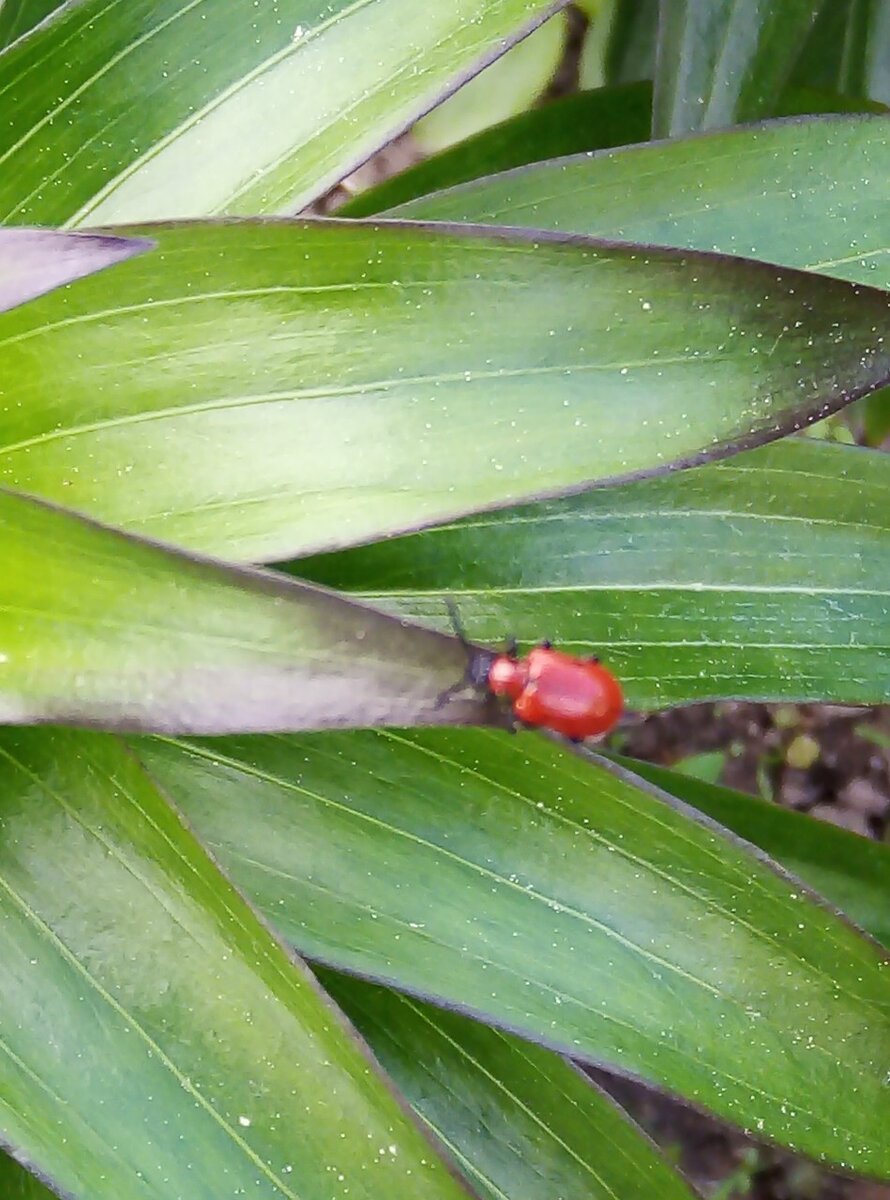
577, 697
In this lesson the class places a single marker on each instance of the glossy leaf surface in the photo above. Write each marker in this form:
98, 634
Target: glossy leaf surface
100, 628
767, 576
850, 871
173, 108
516, 1117
159, 1042
804, 193
225, 393
558, 899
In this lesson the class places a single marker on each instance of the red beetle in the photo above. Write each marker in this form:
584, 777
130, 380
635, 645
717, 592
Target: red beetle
577, 697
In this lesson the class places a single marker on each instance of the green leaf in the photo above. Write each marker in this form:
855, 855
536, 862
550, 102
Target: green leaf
35, 261
18, 17
582, 121
15, 1182
805, 101
561, 900
170, 108
707, 765
805, 193
848, 870
836, 53
765, 577
512, 1114
877, 64
629, 53
719, 63
100, 628
159, 1042
264, 389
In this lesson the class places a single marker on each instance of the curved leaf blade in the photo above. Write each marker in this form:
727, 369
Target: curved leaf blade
183, 108
763, 577
563, 901
512, 1114
803, 193
141, 995
849, 870
99, 628
316, 384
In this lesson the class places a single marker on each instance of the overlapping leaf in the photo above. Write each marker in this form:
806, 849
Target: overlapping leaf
163, 108
158, 1041
515, 1116
264, 389
34, 261
577, 122
567, 903
804, 193
767, 576
851, 871
100, 628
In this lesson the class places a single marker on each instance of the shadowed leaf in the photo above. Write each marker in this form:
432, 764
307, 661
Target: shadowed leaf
102, 629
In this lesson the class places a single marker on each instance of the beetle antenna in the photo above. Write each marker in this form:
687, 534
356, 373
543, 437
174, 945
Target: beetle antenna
456, 624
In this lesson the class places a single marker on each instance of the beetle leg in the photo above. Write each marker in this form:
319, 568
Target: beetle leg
450, 692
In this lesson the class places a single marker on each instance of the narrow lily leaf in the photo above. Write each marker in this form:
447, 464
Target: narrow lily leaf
719, 62
18, 17
511, 1114
850, 871
265, 389
103, 629
804, 193
158, 1041
34, 261
766, 577
169, 108
566, 902
592, 120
